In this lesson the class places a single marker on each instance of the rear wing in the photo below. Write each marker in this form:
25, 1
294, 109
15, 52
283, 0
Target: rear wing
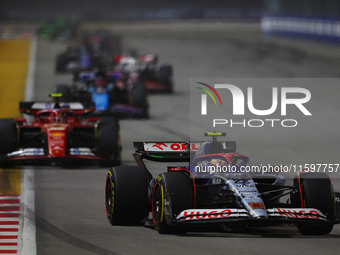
173, 151
163, 151
85, 76
33, 107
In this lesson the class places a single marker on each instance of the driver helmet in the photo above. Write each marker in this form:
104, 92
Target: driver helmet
217, 165
51, 118
129, 64
100, 79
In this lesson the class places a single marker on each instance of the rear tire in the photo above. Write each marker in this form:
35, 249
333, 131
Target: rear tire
126, 195
109, 146
139, 96
61, 63
317, 193
26, 105
165, 76
178, 185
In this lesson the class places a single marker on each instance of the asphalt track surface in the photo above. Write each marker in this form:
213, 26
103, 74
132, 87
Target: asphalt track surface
70, 210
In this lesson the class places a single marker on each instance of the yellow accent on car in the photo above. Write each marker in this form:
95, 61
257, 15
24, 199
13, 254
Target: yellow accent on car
57, 134
213, 134
56, 95
162, 204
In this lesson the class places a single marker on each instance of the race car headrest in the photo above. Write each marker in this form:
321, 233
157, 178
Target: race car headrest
215, 147
202, 150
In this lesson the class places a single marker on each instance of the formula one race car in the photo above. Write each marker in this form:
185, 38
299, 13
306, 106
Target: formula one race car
96, 49
198, 194
156, 77
62, 28
76, 57
117, 94
59, 133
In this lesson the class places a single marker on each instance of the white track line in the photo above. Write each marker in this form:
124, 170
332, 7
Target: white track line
27, 240
29, 91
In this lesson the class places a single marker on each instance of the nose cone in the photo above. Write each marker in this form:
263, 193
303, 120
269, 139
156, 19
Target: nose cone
256, 208
249, 196
258, 214
57, 140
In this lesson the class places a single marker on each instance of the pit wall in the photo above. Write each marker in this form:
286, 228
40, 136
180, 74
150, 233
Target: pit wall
313, 28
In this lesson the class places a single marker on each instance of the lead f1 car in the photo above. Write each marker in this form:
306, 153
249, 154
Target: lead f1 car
194, 195
59, 133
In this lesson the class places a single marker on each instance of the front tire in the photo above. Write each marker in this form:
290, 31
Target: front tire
8, 136
126, 195
109, 145
178, 185
317, 193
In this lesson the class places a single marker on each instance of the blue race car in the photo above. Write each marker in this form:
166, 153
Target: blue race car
117, 94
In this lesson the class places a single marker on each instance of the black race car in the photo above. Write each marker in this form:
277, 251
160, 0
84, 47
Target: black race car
96, 49
197, 194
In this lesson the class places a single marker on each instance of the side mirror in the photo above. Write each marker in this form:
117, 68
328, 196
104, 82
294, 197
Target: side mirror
92, 119
20, 120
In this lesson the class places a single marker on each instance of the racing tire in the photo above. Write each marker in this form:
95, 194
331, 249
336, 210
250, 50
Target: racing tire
26, 105
178, 185
317, 193
139, 97
108, 142
164, 75
109, 146
61, 63
65, 90
8, 136
126, 195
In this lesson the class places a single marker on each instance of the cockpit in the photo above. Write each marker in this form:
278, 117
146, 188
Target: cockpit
54, 116
211, 158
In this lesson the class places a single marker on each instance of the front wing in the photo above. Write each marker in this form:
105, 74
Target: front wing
121, 111
157, 86
38, 156
239, 216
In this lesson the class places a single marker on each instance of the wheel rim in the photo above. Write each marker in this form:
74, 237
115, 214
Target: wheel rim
109, 198
157, 205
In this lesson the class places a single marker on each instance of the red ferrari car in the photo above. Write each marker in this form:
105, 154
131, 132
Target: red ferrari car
59, 133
